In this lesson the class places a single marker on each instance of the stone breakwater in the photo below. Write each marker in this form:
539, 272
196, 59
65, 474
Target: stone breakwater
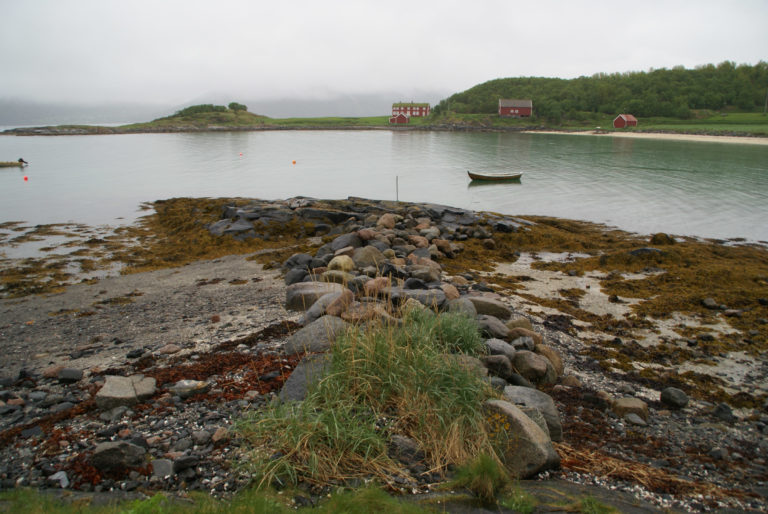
158, 416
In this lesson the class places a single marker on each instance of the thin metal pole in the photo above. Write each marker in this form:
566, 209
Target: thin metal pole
397, 188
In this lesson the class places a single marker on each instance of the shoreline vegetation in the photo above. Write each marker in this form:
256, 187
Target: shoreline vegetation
743, 128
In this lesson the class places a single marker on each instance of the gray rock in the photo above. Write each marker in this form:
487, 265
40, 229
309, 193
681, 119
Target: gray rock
118, 455
492, 326
311, 369
500, 347
525, 448
634, 419
301, 296
534, 367
162, 468
519, 380
368, 256
119, 390
710, 303
70, 375
724, 412
318, 308
536, 416
426, 273
344, 240
523, 343
59, 478
317, 336
295, 275
534, 398
298, 260
188, 388
201, 437
498, 365
674, 398
491, 307
185, 462
461, 306
432, 298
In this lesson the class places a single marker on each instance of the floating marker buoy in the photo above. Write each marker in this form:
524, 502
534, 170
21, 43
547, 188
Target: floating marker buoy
294, 162
241, 154
26, 178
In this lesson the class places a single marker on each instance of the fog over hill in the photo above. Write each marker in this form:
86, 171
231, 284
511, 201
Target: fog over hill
22, 112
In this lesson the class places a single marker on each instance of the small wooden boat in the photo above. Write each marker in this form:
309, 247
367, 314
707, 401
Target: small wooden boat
495, 177
13, 164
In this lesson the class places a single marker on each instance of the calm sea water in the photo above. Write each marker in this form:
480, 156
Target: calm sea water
685, 188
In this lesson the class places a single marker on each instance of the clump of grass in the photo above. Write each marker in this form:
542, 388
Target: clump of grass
514, 498
484, 476
382, 380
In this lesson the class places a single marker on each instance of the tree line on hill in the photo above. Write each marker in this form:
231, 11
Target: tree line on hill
676, 92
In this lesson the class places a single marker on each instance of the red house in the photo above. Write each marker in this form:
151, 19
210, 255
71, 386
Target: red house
400, 118
515, 108
410, 108
624, 121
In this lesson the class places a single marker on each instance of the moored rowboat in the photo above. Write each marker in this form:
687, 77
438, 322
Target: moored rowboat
495, 177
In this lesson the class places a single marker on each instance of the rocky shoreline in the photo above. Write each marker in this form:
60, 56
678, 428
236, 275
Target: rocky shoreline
208, 341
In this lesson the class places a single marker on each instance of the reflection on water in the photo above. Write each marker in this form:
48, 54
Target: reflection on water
694, 188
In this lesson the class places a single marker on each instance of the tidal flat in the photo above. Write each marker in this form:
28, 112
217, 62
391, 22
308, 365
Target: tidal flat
630, 315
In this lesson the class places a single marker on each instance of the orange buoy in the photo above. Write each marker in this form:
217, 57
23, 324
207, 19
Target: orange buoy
294, 162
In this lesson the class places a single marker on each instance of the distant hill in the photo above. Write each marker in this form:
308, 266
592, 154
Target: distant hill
676, 92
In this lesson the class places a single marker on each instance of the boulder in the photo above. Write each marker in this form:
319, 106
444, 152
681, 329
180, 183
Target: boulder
451, 293
387, 220
311, 369
491, 307
117, 455
515, 332
341, 263
525, 448
319, 307
461, 306
520, 322
530, 365
317, 336
187, 388
498, 365
534, 398
119, 390
491, 326
344, 240
368, 256
552, 356
624, 406
674, 398
499, 347
340, 303
301, 296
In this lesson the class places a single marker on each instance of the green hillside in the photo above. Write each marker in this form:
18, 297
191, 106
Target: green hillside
675, 93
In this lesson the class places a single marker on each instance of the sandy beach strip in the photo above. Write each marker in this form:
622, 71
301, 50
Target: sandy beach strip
662, 136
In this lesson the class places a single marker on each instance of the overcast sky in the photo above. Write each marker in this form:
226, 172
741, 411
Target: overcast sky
169, 51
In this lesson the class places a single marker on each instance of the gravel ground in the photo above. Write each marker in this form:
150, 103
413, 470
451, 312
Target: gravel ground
221, 320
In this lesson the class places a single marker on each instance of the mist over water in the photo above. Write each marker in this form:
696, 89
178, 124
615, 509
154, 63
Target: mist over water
684, 188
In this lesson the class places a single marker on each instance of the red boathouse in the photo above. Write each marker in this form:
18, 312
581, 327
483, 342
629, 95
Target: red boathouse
624, 121
515, 108
399, 118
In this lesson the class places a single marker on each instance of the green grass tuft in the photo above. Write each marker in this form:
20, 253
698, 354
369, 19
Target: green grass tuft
382, 381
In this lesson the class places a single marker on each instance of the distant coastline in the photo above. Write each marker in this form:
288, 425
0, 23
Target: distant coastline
149, 128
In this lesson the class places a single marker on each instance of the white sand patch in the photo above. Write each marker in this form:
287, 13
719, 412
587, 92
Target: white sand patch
669, 137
